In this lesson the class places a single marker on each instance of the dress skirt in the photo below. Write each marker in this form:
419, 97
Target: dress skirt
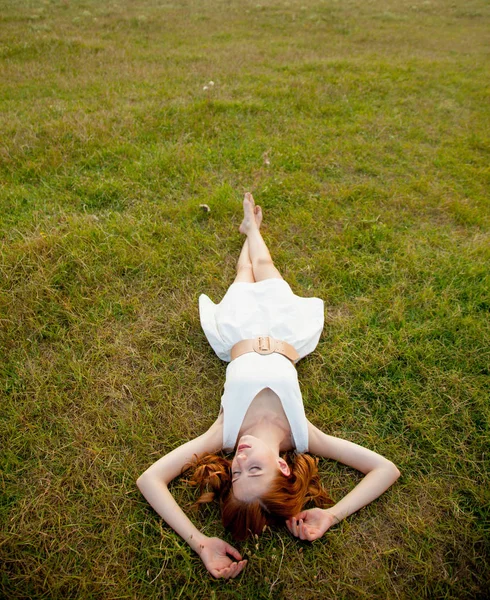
267, 307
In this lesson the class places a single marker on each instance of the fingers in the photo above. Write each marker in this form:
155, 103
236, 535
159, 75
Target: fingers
233, 552
299, 529
241, 565
230, 572
302, 515
294, 526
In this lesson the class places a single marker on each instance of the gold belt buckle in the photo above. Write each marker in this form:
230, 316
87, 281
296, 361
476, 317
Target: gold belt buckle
264, 344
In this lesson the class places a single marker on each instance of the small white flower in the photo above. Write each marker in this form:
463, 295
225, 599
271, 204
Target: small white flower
211, 83
205, 88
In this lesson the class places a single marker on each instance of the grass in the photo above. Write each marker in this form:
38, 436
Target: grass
373, 117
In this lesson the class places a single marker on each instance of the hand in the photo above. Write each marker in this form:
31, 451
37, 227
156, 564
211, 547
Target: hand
214, 554
311, 524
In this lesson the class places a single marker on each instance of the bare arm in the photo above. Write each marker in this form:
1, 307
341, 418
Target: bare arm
153, 484
380, 474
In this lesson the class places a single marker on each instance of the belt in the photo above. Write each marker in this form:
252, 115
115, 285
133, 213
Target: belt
264, 344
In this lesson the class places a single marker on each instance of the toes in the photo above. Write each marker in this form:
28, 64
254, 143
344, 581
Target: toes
248, 207
258, 215
250, 198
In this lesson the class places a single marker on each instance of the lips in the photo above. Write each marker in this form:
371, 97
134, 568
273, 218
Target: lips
243, 446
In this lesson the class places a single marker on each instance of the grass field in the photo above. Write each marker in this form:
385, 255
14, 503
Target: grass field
362, 128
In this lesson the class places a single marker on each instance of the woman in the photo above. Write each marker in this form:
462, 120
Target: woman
263, 329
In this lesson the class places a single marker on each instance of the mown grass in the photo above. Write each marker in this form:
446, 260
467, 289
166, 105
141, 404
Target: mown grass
373, 117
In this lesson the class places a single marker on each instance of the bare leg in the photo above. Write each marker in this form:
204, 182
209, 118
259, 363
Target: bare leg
244, 266
262, 264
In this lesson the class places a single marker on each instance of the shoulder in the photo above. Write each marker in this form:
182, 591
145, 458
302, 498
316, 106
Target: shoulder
211, 440
320, 443
216, 429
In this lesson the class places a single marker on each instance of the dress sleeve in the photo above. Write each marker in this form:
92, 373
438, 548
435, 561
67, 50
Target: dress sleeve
207, 311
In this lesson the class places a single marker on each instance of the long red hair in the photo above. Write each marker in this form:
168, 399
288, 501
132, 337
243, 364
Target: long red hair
286, 497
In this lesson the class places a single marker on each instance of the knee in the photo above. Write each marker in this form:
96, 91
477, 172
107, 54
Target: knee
244, 267
245, 273
263, 262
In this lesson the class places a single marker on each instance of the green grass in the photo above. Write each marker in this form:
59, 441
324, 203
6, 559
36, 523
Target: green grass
374, 117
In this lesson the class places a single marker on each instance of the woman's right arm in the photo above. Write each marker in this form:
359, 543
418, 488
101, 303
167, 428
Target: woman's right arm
153, 484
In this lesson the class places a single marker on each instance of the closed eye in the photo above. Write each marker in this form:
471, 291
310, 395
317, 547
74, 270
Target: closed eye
237, 473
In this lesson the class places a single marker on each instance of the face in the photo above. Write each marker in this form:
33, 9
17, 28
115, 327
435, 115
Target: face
254, 467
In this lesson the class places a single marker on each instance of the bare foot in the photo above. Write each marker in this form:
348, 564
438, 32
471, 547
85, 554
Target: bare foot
258, 216
248, 222
257, 211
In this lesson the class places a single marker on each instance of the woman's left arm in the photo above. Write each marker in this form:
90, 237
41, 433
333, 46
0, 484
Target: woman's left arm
380, 473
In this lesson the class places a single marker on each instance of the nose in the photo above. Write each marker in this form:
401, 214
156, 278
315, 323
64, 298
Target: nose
241, 459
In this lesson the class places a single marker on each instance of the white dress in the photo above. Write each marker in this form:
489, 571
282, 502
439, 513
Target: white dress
267, 307
249, 374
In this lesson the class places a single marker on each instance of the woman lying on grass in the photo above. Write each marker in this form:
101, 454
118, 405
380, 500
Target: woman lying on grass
263, 329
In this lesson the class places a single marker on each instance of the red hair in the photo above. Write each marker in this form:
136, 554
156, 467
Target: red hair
286, 496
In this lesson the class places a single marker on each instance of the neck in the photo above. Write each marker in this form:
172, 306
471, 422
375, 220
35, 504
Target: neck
269, 433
